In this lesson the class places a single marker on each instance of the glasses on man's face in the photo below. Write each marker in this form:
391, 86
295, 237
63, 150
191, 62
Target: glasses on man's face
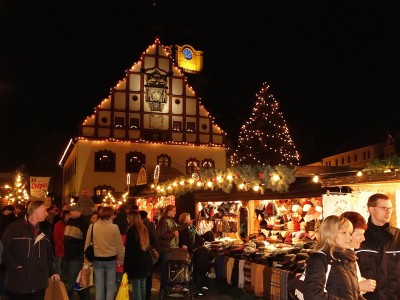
384, 208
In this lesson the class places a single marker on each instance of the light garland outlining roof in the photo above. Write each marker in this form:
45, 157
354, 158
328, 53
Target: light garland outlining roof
120, 84
149, 142
245, 177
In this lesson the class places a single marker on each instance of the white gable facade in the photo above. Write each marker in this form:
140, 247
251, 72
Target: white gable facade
151, 117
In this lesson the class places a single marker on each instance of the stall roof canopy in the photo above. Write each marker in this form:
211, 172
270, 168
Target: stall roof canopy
141, 191
301, 188
388, 177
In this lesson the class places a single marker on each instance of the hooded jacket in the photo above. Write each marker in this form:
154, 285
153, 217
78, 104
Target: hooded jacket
29, 259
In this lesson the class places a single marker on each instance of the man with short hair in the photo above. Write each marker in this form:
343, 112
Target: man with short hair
28, 255
74, 242
379, 254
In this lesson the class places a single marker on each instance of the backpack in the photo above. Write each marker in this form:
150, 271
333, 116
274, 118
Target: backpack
296, 284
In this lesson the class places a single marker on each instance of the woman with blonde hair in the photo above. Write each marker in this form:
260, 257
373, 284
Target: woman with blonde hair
331, 269
138, 260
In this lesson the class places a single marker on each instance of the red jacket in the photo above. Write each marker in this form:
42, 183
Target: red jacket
58, 236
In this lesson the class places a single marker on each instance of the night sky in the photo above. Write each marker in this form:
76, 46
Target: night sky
334, 67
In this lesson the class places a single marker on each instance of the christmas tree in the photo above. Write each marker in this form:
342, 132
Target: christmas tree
264, 139
18, 193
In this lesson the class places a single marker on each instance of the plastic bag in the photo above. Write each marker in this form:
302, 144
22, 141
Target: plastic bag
123, 291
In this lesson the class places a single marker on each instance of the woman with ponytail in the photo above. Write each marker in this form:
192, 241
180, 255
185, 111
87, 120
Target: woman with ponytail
138, 260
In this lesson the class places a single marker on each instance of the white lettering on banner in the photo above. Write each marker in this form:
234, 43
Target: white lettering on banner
39, 186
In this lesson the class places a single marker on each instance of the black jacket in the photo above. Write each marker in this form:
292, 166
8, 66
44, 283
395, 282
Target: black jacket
137, 262
342, 280
379, 259
202, 258
35, 258
154, 242
74, 238
187, 236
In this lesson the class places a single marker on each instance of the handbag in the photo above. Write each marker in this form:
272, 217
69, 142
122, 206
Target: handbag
89, 251
154, 255
123, 291
84, 279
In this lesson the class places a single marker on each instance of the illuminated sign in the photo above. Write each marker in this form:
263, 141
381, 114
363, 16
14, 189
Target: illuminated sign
189, 59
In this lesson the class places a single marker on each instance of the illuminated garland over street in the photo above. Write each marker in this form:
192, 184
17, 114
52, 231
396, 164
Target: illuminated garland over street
245, 177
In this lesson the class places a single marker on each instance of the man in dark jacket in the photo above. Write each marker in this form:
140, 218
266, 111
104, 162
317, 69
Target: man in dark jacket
154, 242
74, 242
28, 255
379, 254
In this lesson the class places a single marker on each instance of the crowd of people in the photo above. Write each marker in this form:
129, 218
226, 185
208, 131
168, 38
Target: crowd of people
40, 242
352, 258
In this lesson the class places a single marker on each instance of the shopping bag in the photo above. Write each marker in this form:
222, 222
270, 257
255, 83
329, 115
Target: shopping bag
56, 290
123, 291
84, 279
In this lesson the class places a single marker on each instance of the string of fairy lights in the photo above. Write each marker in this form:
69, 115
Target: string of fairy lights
17, 194
264, 138
137, 67
245, 177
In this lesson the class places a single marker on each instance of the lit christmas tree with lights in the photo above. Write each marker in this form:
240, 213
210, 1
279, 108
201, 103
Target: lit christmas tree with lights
264, 139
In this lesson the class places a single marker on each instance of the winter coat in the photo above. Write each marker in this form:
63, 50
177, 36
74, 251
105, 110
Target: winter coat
58, 236
107, 241
74, 238
342, 280
187, 237
137, 262
154, 241
379, 259
29, 260
122, 221
166, 227
5, 220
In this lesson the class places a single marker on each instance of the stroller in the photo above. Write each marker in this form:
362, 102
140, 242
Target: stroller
177, 275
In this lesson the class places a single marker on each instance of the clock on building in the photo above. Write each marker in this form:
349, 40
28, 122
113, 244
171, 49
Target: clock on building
187, 53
